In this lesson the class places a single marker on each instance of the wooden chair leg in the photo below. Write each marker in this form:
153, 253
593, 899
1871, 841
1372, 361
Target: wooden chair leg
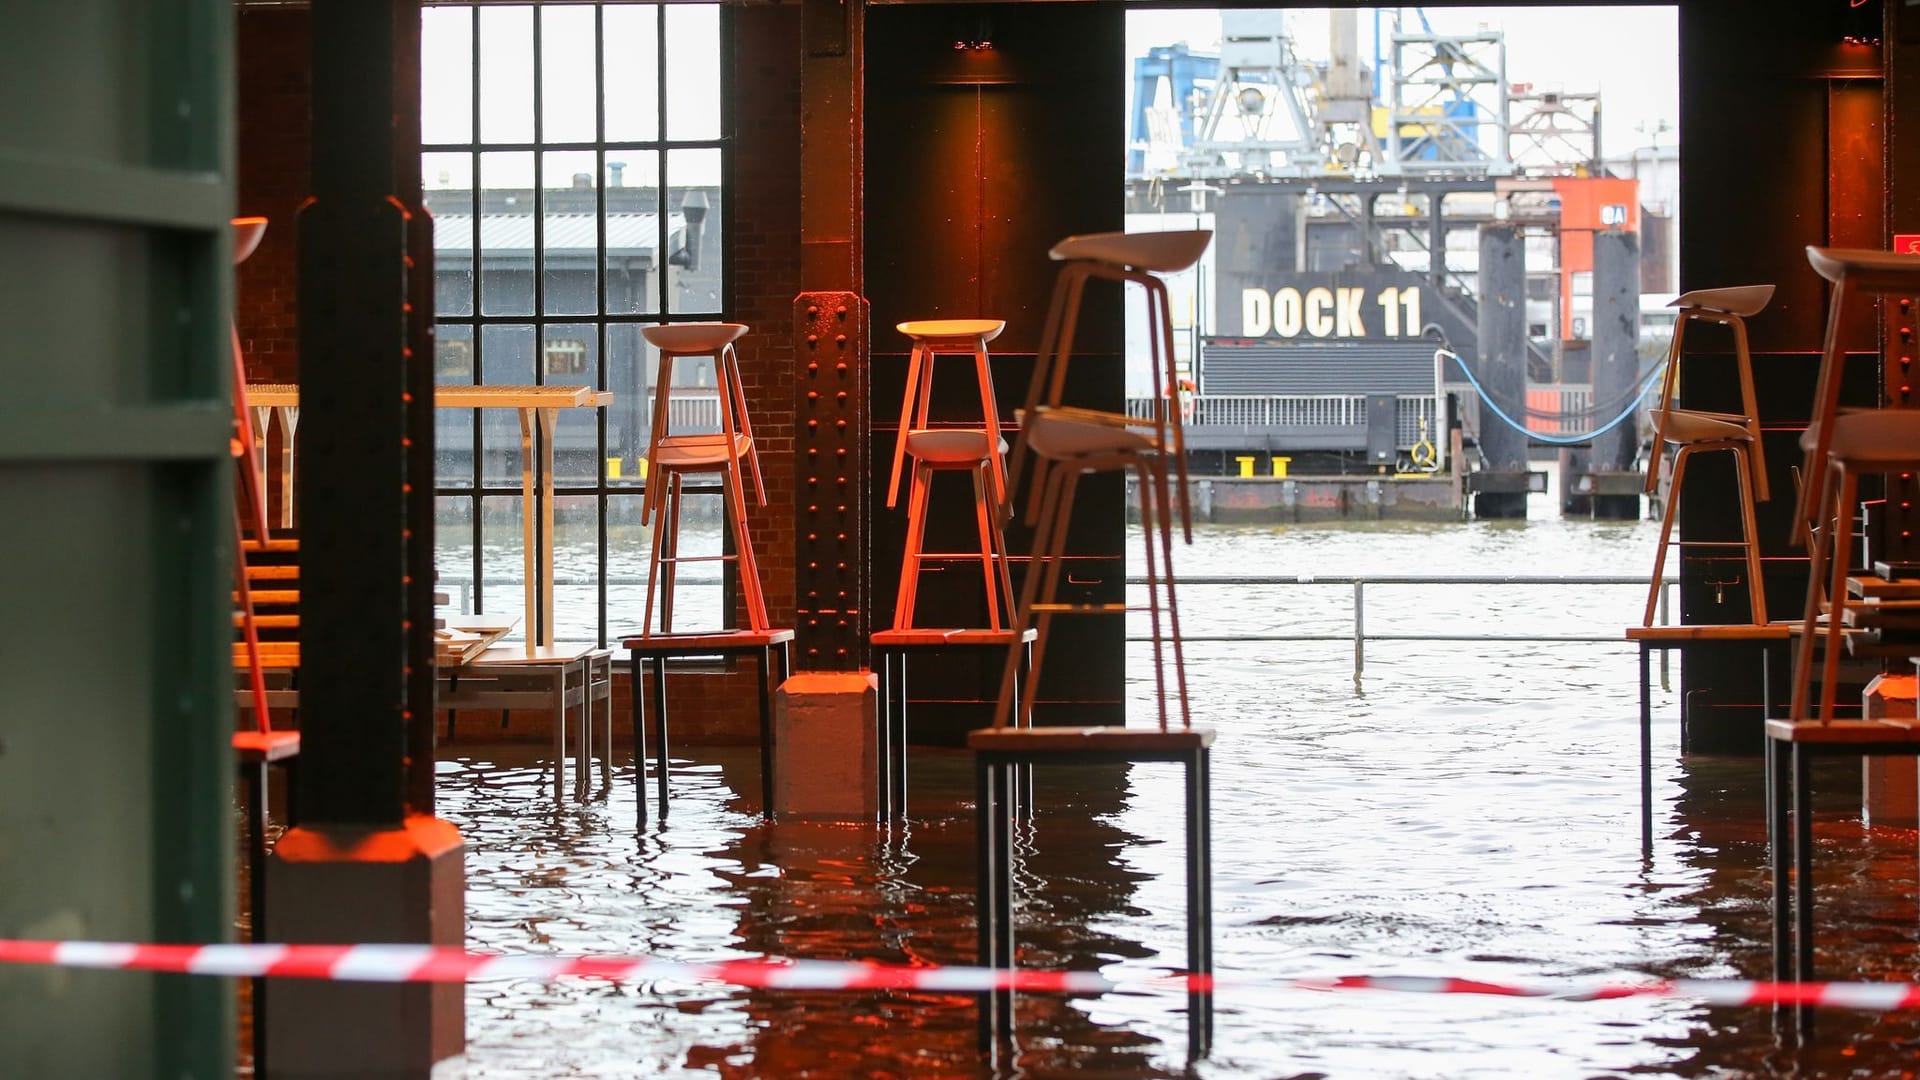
906, 422
1837, 590
1173, 605
1008, 709
1667, 518
748, 565
654, 579
990, 419
903, 603
982, 483
1051, 566
670, 565
1750, 534
1798, 708
1147, 516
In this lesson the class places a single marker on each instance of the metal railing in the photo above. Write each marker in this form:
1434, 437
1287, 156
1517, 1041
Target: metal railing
1358, 582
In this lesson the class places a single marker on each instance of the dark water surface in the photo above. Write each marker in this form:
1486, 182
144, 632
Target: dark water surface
1464, 810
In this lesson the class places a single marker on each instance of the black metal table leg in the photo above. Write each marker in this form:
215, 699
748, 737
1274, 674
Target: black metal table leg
985, 908
1002, 780
660, 730
1802, 885
637, 696
897, 741
1204, 915
1778, 752
763, 661
882, 731
1646, 753
256, 777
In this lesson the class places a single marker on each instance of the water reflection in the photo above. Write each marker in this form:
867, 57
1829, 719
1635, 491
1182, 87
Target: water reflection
1473, 814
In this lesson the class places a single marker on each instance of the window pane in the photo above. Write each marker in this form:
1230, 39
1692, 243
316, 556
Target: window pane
566, 74
576, 568
446, 75
633, 233
502, 589
570, 356
693, 71
453, 428
506, 74
506, 234
448, 180
453, 552
631, 62
629, 361
570, 246
694, 242
506, 359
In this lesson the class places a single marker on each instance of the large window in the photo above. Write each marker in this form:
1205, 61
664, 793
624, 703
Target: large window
573, 157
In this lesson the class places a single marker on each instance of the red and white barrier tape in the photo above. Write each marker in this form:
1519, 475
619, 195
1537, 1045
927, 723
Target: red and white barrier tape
425, 963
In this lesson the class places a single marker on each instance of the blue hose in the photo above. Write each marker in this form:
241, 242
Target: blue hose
1559, 440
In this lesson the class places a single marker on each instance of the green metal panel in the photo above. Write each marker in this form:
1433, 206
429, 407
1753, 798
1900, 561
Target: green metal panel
116, 819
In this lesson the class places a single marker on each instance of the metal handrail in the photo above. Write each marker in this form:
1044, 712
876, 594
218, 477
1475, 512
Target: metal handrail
1358, 582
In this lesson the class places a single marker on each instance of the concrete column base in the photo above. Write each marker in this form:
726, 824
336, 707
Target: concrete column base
342, 885
823, 723
1890, 785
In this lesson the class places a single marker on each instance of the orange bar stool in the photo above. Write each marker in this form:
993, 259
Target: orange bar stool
978, 451
672, 455
1692, 431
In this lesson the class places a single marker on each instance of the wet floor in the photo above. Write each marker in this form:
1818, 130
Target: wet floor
1465, 810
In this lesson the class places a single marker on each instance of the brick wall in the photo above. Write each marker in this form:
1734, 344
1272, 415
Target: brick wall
764, 248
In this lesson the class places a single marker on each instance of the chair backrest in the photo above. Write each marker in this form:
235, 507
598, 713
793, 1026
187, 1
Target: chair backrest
678, 340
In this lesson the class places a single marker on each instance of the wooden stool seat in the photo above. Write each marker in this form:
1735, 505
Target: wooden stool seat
698, 338
1152, 252
1689, 426
953, 446
927, 329
698, 451
1877, 441
1741, 300
1061, 434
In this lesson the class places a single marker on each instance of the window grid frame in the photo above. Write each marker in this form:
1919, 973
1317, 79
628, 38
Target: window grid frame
475, 148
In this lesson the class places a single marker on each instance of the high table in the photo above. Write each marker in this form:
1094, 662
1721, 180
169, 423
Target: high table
539, 408
1664, 638
890, 650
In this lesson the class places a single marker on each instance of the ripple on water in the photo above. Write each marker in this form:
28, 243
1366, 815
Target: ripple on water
1465, 811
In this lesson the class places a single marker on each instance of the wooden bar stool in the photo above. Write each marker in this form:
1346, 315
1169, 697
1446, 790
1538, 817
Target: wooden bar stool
672, 455
1841, 447
1067, 443
1692, 431
932, 338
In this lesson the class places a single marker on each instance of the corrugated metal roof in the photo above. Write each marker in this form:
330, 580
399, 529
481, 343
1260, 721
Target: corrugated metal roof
1383, 367
628, 235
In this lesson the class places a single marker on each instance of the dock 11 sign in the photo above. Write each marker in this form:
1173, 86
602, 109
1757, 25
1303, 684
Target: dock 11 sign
1332, 311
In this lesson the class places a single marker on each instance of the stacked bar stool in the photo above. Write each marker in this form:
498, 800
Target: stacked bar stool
671, 456
1065, 443
1693, 431
1841, 447
979, 451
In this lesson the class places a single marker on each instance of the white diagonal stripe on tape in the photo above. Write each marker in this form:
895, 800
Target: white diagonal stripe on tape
94, 954
956, 980
1879, 997
1715, 991
235, 959
520, 967
381, 963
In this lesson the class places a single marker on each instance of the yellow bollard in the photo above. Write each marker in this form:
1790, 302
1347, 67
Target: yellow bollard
1246, 465
641, 467
1280, 466
613, 468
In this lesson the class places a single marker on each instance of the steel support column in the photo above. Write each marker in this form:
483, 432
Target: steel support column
832, 576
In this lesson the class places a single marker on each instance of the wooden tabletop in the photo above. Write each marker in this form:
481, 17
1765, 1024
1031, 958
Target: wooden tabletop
280, 395
1897, 731
935, 637
1777, 631
1071, 739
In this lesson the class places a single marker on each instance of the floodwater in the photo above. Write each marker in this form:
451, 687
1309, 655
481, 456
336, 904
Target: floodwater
1463, 809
